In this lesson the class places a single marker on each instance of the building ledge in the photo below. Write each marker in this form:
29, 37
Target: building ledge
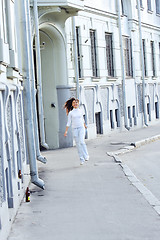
12, 73
4, 52
72, 5
2, 67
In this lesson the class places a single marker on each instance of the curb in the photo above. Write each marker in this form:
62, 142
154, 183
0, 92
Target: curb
147, 194
131, 147
145, 141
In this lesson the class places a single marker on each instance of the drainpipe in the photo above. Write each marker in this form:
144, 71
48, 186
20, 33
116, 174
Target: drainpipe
75, 56
33, 90
27, 98
142, 63
9, 20
123, 68
39, 76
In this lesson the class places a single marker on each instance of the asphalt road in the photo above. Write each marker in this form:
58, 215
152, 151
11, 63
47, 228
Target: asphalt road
144, 162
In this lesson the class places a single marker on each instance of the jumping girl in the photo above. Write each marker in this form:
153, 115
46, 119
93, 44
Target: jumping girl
75, 118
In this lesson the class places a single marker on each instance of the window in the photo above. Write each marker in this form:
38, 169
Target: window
117, 117
129, 116
93, 53
79, 52
149, 111
109, 54
134, 115
144, 56
98, 123
152, 58
156, 110
141, 4
111, 119
124, 7
158, 6
149, 5
128, 56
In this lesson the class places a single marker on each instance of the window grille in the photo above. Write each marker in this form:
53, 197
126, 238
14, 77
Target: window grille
144, 56
153, 58
79, 52
158, 6
109, 54
93, 53
128, 56
149, 5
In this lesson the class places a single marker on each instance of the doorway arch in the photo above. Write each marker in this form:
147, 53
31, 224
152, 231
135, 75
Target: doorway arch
54, 72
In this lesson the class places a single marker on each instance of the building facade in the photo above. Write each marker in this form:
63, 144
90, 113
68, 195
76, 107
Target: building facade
107, 54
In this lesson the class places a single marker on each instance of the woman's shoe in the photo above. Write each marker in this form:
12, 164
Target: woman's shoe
87, 158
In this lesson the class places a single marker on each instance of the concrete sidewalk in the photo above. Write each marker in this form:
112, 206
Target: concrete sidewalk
91, 202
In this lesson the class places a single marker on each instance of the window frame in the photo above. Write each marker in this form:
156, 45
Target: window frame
94, 59
109, 54
157, 2
144, 56
127, 51
149, 5
153, 58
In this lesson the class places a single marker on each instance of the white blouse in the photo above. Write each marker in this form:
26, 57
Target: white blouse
75, 117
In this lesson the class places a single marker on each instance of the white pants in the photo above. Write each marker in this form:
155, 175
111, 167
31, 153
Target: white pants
79, 134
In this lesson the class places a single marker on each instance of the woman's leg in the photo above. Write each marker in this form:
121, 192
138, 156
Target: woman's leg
82, 143
78, 145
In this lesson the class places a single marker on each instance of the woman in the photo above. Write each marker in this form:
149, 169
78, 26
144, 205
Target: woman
75, 117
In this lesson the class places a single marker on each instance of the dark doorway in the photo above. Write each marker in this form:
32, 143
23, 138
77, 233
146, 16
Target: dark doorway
98, 123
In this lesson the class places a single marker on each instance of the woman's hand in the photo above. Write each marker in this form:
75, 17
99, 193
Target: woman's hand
65, 134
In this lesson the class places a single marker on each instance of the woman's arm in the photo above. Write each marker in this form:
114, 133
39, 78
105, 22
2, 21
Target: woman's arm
65, 134
68, 124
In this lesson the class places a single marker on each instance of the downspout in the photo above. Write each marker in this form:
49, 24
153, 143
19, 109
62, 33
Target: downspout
142, 64
27, 98
10, 37
33, 90
123, 69
75, 56
39, 76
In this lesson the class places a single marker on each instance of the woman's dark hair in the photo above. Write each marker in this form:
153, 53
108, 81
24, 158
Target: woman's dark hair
68, 105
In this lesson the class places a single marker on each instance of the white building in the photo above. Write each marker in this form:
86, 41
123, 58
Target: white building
105, 53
